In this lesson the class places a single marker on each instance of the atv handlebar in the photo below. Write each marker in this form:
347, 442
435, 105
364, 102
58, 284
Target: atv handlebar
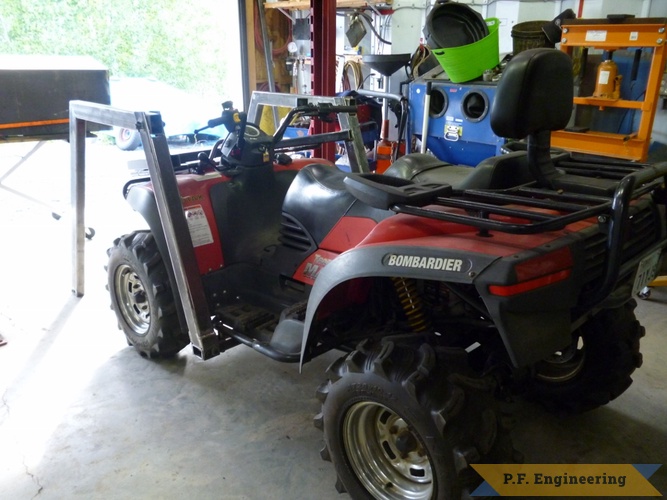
214, 122
320, 110
323, 111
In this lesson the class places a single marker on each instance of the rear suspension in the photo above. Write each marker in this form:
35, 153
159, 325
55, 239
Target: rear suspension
412, 304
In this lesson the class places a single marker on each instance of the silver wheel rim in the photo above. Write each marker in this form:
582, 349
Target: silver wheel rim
132, 299
388, 458
563, 365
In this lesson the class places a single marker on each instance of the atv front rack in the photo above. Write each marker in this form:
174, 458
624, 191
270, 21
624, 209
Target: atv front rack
527, 209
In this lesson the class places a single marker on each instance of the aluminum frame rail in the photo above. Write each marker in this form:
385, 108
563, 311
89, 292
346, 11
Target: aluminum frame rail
349, 124
190, 289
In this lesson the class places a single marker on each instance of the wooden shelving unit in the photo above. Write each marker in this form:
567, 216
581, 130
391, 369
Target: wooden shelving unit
607, 35
341, 4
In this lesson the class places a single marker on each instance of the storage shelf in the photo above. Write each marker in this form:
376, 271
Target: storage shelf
625, 146
601, 34
341, 4
608, 103
624, 33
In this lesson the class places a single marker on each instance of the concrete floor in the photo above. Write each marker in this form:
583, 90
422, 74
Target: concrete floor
83, 416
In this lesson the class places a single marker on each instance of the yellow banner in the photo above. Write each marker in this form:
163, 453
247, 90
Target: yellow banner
562, 480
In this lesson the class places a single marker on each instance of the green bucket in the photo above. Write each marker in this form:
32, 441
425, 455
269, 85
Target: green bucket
467, 62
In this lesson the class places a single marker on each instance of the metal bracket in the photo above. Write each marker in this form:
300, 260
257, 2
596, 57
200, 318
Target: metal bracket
354, 144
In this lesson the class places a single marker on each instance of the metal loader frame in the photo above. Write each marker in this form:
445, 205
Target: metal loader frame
349, 134
181, 252
189, 284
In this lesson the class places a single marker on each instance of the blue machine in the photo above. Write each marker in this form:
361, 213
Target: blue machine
459, 129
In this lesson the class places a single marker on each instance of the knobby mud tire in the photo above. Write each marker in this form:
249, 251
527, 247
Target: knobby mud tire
610, 354
397, 424
142, 298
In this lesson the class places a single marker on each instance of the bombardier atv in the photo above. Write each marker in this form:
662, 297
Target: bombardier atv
445, 287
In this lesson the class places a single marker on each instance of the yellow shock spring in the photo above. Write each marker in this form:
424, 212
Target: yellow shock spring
412, 303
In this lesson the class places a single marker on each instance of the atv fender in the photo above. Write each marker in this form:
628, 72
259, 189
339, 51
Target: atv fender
390, 261
142, 200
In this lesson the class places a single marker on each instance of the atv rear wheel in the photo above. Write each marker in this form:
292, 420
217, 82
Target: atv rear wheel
595, 369
397, 425
141, 296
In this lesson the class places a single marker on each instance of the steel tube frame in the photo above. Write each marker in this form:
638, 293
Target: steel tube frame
26, 196
380, 95
245, 51
268, 56
189, 285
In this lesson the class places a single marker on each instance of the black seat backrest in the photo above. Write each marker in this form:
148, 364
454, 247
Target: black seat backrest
534, 97
534, 94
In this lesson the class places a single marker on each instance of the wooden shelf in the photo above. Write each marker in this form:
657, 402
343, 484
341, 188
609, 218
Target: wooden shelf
341, 4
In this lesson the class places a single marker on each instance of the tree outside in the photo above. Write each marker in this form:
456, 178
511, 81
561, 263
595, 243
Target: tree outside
190, 44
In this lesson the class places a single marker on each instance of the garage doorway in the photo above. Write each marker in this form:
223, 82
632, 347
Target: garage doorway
192, 45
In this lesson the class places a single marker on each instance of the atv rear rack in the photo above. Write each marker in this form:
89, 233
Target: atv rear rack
528, 209
525, 209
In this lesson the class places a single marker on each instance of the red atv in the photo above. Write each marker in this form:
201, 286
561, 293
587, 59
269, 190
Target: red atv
445, 286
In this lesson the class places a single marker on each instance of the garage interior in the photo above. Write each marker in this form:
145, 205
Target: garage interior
84, 416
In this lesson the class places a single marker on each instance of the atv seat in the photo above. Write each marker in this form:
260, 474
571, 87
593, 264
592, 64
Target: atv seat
497, 172
534, 97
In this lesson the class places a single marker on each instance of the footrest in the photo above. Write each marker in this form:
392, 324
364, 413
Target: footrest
249, 319
383, 192
296, 311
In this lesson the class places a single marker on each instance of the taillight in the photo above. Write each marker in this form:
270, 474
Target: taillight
538, 272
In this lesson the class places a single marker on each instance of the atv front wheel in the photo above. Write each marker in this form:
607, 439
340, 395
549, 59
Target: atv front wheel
141, 296
595, 368
397, 425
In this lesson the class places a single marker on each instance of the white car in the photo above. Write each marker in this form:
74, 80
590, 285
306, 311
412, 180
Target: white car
182, 113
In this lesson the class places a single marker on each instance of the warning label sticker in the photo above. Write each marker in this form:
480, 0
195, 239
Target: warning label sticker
596, 35
200, 231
